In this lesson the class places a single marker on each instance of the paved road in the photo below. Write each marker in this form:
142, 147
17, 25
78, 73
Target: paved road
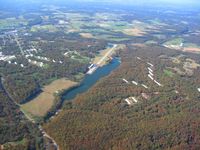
18, 43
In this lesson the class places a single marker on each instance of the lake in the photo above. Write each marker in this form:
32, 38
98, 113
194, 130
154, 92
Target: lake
90, 80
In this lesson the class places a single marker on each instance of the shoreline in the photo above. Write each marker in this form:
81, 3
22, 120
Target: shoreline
43, 103
57, 96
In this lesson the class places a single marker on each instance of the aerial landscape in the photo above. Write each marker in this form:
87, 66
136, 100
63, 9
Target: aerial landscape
99, 75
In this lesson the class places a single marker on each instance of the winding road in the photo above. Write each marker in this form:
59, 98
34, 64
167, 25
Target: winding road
29, 118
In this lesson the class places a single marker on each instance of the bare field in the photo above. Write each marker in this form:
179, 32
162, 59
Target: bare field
134, 32
44, 102
191, 49
58, 85
86, 35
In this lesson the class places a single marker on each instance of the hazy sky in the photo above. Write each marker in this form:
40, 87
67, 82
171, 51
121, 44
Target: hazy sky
149, 1
125, 2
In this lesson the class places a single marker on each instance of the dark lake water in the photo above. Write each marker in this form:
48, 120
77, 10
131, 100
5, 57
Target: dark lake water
90, 80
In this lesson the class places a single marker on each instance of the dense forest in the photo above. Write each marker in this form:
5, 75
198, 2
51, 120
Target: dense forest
17, 132
167, 119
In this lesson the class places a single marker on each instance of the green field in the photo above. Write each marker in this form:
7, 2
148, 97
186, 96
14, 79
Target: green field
168, 73
12, 23
176, 41
49, 28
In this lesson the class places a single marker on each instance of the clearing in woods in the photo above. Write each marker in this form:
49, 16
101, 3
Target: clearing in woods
45, 100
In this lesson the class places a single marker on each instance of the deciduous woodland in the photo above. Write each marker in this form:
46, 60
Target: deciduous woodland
15, 127
101, 118
151, 101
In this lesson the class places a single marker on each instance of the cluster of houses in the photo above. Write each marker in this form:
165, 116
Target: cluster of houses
47, 59
29, 53
151, 74
42, 58
69, 53
131, 101
6, 57
135, 83
9, 58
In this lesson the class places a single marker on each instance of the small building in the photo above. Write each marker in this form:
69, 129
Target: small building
150, 64
90, 66
41, 64
151, 73
128, 102
92, 69
158, 83
144, 86
145, 96
134, 82
131, 100
150, 70
22, 65
125, 81
150, 77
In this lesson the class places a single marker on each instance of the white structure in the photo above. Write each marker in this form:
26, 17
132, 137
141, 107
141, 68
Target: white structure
145, 86
22, 65
150, 64
125, 81
66, 53
41, 64
198, 89
151, 73
90, 66
133, 98
134, 82
138, 58
158, 83
150, 70
6, 57
128, 102
92, 70
150, 77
